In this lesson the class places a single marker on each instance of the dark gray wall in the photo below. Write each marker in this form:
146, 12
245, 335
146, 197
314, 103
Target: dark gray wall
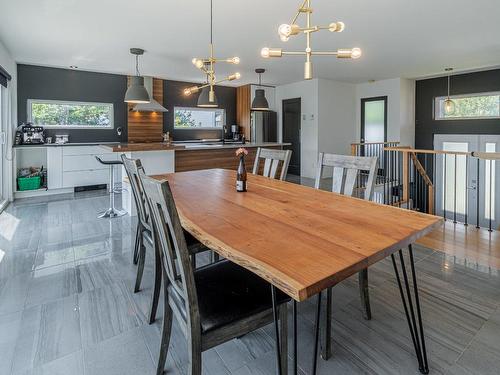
173, 96
428, 89
36, 82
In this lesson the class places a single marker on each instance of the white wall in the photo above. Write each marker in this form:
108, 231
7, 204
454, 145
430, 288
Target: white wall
307, 91
337, 116
400, 94
10, 116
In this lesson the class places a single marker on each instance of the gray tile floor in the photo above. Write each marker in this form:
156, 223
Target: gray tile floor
67, 307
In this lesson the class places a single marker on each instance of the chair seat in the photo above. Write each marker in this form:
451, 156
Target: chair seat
228, 293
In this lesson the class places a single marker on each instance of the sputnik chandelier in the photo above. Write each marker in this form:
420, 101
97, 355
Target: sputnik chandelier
207, 96
287, 30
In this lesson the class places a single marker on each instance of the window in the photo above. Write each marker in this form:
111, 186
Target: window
64, 114
198, 118
471, 106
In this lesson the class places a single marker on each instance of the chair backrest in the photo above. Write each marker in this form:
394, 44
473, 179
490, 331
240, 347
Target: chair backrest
345, 172
169, 236
132, 167
272, 160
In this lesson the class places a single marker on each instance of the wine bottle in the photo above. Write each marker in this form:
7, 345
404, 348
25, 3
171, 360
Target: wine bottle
241, 176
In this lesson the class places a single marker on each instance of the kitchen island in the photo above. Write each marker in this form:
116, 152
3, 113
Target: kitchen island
162, 158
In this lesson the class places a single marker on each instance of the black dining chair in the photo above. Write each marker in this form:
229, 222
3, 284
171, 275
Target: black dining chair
143, 237
213, 304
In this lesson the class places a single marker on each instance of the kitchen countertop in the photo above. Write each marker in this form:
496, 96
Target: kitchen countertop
67, 144
139, 147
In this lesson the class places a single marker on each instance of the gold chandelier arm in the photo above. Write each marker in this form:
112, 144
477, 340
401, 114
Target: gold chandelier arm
324, 53
294, 19
294, 53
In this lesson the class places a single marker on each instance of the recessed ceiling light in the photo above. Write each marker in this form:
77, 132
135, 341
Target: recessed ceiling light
73, 67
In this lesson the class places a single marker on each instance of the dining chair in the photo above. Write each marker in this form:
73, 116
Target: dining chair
213, 304
348, 172
272, 161
143, 236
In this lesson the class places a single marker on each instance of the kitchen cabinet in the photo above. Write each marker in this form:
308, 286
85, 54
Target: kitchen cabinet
54, 172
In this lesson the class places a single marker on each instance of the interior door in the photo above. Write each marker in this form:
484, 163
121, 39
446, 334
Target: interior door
374, 119
465, 186
291, 132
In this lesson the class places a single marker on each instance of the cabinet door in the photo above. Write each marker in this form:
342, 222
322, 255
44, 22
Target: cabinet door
54, 167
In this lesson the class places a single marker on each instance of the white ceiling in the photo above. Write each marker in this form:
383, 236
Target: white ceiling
399, 38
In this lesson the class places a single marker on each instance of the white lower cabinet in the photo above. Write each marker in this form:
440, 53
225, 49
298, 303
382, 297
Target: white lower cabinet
85, 178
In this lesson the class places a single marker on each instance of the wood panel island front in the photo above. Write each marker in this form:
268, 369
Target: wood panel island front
162, 158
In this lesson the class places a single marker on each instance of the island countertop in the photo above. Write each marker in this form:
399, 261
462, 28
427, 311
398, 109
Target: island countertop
161, 146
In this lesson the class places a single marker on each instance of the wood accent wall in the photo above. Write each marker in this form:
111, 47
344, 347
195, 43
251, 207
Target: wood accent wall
146, 126
243, 106
192, 160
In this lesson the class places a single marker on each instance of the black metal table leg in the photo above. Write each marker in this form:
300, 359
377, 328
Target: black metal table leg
316, 336
417, 335
295, 357
276, 329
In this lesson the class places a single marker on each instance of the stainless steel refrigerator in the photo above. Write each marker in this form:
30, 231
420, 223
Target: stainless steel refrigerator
263, 126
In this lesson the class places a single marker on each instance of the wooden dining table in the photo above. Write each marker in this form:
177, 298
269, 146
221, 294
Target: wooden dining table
301, 240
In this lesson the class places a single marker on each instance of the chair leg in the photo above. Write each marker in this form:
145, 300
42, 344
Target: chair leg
195, 353
283, 313
157, 286
364, 294
326, 347
136, 247
166, 329
140, 267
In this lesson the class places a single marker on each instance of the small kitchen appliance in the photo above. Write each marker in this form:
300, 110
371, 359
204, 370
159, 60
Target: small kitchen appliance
31, 135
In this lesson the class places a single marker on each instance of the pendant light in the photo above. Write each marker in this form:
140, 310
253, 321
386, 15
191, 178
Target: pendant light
207, 96
259, 103
449, 105
287, 30
136, 92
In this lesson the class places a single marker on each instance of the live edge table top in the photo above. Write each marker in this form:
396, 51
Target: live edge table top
300, 239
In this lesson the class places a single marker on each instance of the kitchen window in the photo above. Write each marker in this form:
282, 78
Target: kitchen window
67, 114
470, 106
198, 118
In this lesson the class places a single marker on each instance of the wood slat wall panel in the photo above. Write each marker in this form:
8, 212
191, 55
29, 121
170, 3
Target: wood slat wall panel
192, 160
243, 107
147, 126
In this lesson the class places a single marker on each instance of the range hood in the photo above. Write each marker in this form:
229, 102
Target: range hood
153, 105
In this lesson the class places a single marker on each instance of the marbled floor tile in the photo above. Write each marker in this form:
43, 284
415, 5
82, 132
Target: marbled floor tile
56, 235
48, 332
72, 364
51, 283
18, 240
10, 325
125, 354
54, 255
13, 292
13, 263
105, 312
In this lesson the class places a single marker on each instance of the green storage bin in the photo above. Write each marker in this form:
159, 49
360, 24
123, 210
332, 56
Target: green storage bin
28, 183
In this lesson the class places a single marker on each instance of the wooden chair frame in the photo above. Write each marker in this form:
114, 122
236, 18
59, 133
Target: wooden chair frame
272, 159
345, 173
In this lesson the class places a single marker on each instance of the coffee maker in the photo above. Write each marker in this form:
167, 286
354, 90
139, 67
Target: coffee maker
31, 135
235, 130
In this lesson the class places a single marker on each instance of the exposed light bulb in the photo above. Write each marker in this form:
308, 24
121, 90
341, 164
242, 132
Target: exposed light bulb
449, 106
341, 26
271, 52
198, 63
235, 60
284, 30
191, 90
187, 92
356, 53
337, 27
265, 52
234, 76
284, 38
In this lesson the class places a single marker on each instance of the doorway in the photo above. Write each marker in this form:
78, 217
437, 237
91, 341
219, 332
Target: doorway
374, 119
466, 190
291, 109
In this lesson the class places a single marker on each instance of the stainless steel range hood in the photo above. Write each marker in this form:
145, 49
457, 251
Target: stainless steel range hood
152, 106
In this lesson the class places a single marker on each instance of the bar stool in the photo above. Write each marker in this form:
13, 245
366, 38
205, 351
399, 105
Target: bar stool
111, 212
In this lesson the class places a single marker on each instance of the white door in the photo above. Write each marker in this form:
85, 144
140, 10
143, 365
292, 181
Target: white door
463, 184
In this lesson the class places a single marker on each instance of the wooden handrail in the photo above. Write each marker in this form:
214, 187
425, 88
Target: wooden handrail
421, 169
486, 155
420, 151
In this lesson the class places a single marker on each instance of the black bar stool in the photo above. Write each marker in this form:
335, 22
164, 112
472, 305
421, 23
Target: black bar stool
111, 212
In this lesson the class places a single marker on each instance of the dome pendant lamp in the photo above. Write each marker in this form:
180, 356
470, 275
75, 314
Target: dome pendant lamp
136, 92
260, 103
